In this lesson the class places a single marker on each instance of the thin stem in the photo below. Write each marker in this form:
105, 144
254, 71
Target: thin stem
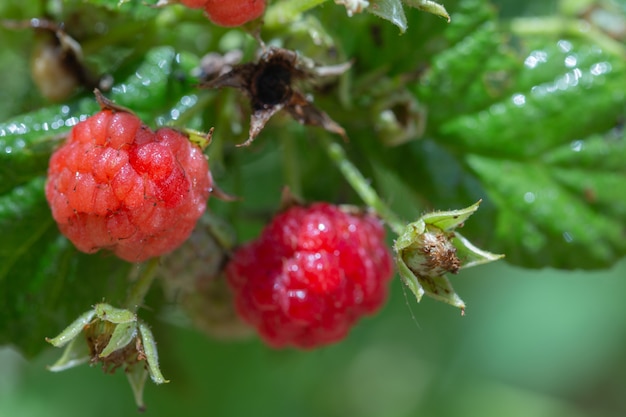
361, 185
141, 287
291, 167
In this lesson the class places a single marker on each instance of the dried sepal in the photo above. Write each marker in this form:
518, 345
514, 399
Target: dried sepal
271, 85
306, 113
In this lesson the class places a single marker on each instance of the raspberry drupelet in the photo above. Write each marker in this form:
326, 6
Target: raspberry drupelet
231, 13
115, 184
312, 273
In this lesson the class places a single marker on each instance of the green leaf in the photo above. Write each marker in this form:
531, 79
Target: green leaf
536, 125
42, 277
161, 78
137, 10
542, 221
24, 218
573, 103
27, 141
532, 149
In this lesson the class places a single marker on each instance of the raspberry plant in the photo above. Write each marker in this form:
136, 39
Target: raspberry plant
525, 115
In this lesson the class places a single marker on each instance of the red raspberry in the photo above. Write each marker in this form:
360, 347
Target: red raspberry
116, 184
312, 273
234, 12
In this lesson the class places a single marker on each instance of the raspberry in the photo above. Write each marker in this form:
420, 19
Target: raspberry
118, 185
233, 12
312, 273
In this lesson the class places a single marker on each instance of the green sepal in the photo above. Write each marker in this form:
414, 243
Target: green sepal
152, 356
449, 220
123, 334
440, 288
75, 353
72, 330
409, 279
429, 7
137, 377
470, 255
429, 248
107, 312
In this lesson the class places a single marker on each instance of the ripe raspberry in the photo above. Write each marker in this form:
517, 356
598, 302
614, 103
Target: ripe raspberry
312, 273
234, 12
118, 185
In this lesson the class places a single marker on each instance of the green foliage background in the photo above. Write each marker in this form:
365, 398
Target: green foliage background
524, 110
532, 344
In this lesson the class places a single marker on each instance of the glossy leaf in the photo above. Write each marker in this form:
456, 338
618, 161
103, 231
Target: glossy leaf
27, 141
537, 126
42, 280
160, 79
135, 9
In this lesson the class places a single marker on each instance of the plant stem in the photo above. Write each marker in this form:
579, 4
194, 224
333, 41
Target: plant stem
361, 185
142, 285
290, 164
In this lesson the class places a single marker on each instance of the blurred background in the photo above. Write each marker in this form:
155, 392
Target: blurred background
532, 343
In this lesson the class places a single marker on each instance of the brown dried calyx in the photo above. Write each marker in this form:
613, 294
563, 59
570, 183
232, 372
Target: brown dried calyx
57, 64
270, 83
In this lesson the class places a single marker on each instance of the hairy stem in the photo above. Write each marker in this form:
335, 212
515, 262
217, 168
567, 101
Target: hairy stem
291, 167
361, 185
142, 285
